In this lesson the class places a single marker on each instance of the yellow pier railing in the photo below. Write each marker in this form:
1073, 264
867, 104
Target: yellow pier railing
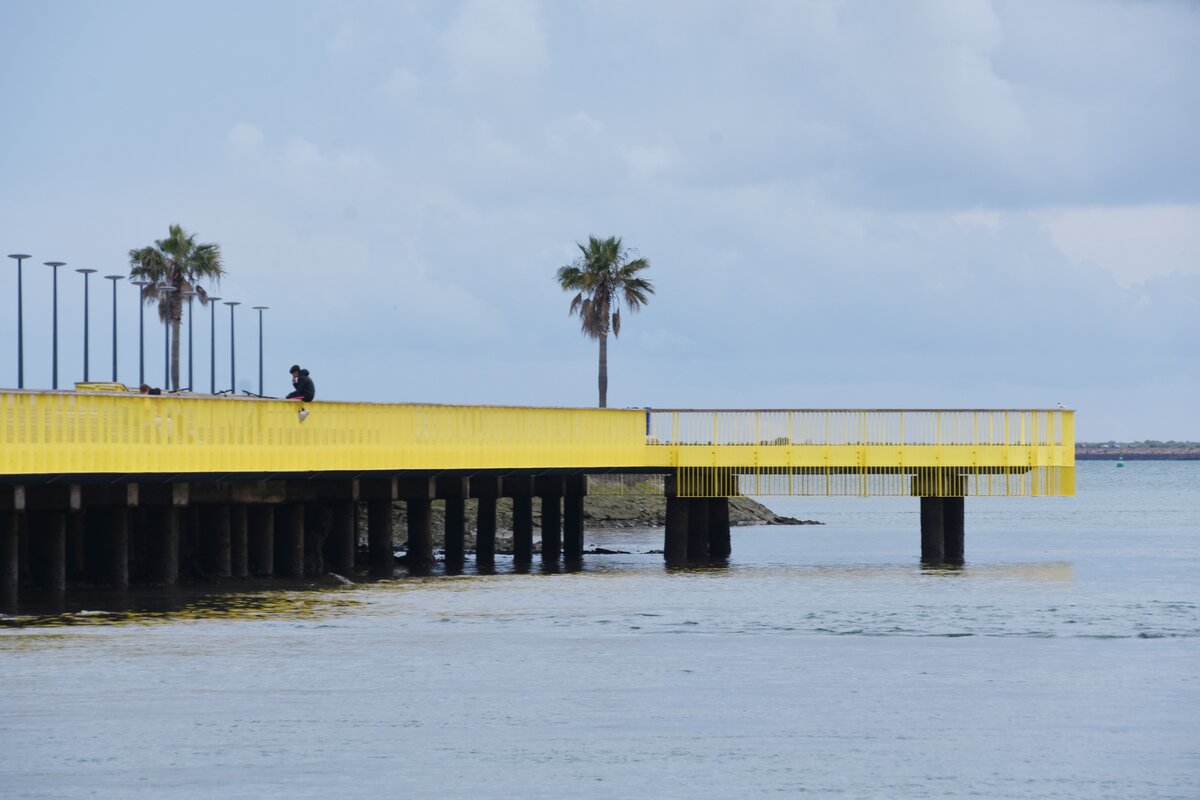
51, 435
859, 452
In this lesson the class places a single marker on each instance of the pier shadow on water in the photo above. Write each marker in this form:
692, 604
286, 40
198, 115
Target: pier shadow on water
275, 599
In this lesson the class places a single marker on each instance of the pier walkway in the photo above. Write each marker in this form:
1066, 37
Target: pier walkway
69, 457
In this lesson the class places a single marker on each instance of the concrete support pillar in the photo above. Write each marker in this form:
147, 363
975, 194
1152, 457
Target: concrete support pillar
318, 526
520, 489
455, 534
379, 537
419, 554
933, 548
486, 489
191, 550
453, 490
238, 541
289, 540
697, 548
214, 540
76, 550
551, 528
260, 521
23, 545
117, 547
48, 549
675, 538
343, 538
162, 545
953, 512
575, 489
10, 571
550, 489
485, 533
522, 529
719, 545
137, 546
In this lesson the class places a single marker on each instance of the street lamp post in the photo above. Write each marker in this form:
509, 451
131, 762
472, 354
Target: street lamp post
260, 309
114, 279
85, 273
20, 259
54, 265
165, 289
189, 294
232, 349
141, 284
212, 342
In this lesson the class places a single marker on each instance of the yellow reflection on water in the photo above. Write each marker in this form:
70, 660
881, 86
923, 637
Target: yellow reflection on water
258, 605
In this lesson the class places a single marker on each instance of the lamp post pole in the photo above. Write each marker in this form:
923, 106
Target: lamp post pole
85, 273
165, 289
189, 294
232, 349
212, 342
20, 259
141, 284
54, 265
260, 309
114, 279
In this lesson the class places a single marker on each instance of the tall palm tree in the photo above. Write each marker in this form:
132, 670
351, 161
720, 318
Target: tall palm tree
176, 261
603, 277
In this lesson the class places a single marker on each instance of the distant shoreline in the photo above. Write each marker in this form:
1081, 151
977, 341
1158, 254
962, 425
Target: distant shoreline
1094, 453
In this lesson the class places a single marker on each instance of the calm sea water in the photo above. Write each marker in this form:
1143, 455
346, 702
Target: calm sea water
1062, 662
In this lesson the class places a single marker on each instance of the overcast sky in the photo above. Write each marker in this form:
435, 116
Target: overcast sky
844, 204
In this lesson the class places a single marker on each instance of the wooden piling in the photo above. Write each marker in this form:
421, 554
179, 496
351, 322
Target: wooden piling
10, 573
76, 550
238, 541
289, 540
419, 555
551, 528
575, 489
162, 545
116, 542
485, 533
343, 538
379, 537
49, 549
215, 539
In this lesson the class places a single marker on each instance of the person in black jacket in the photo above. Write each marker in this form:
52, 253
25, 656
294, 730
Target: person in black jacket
303, 387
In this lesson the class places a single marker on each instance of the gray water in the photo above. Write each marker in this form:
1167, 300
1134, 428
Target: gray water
1062, 662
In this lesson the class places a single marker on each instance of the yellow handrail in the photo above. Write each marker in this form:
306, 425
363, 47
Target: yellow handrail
945, 452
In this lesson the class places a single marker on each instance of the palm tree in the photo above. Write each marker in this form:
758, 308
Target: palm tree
603, 277
177, 262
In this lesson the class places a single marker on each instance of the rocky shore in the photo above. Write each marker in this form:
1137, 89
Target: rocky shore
599, 511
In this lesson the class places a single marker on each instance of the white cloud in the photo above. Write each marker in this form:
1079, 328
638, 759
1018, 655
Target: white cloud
401, 84
300, 154
495, 40
345, 39
245, 139
978, 217
1132, 243
648, 161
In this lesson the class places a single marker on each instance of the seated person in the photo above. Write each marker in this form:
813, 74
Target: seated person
304, 389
